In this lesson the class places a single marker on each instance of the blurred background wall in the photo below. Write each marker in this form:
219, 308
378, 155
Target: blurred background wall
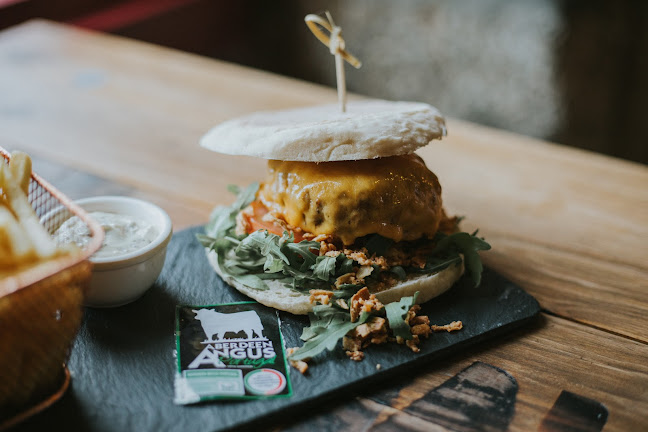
571, 71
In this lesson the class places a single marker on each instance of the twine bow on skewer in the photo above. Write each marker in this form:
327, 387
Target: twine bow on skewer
337, 47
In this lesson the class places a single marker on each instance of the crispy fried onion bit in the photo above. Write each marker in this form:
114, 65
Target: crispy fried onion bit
320, 296
300, 365
420, 326
355, 278
374, 331
362, 301
453, 326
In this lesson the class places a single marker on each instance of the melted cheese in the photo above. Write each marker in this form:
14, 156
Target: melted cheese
396, 197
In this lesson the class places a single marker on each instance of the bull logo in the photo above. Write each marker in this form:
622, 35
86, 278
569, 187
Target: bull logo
216, 324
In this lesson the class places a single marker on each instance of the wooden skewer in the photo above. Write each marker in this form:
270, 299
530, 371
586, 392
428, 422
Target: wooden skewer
336, 45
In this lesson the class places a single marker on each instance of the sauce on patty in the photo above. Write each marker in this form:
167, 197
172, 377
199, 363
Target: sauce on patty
396, 197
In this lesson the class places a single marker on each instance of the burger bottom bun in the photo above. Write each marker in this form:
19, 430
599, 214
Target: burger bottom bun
280, 297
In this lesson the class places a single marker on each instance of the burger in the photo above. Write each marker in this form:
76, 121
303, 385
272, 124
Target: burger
348, 224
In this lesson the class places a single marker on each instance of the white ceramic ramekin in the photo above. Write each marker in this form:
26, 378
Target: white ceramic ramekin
124, 278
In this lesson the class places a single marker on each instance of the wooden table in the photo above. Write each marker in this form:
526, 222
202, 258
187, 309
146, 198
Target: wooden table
102, 114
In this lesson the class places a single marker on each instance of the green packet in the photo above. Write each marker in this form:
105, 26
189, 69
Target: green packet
229, 351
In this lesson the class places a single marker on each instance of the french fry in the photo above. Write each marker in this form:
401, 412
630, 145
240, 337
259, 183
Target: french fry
23, 240
17, 200
15, 246
20, 168
2, 176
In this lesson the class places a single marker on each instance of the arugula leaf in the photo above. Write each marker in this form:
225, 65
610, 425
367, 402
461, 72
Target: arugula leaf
232, 269
220, 221
346, 291
396, 313
399, 272
274, 276
206, 241
377, 244
436, 264
223, 219
273, 265
320, 318
245, 197
328, 326
301, 252
468, 245
324, 267
252, 281
344, 265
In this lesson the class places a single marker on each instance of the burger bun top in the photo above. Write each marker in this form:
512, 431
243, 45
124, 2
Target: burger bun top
367, 130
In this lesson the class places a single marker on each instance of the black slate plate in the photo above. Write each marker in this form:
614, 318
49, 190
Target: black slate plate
123, 367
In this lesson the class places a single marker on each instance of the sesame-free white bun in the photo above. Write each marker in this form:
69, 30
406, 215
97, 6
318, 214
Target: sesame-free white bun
369, 129
280, 297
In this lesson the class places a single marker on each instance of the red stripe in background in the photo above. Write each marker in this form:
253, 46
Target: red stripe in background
128, 13
4, 3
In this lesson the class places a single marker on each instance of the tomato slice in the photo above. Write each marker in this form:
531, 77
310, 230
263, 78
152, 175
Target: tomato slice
256, 222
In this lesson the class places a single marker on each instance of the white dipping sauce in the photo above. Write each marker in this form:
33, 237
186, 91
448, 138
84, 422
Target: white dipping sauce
124, 234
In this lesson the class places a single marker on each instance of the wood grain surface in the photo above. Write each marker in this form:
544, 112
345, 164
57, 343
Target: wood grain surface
107, 115
572, 412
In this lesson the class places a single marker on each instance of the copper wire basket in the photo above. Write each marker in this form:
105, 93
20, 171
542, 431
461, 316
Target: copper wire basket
41, 308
